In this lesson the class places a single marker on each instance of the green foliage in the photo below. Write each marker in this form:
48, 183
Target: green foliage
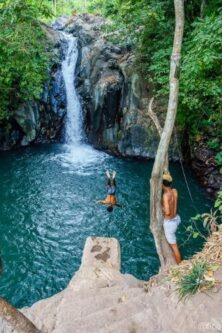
23, 53
191, 230
70, 7
105, 8
210, 221
194, 280
201, 78
214, 143
218, 203
218, 158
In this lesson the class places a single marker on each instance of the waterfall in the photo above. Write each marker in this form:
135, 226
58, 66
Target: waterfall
77, 155
73, 126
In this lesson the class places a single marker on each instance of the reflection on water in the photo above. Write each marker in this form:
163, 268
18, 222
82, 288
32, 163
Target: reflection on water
48, 209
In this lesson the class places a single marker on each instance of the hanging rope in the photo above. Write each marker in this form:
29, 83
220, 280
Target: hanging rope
183, 171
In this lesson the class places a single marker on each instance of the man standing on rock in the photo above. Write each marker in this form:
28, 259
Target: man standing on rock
171, 219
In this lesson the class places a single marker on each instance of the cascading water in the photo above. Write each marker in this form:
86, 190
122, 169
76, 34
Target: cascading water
78, 154
73, 127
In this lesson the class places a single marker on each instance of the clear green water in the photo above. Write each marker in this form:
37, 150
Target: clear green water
47, 207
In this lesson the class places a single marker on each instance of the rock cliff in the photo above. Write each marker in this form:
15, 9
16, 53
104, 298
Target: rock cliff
113, 94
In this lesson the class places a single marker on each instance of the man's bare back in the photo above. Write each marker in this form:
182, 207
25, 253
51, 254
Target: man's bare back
171, 219
169, 204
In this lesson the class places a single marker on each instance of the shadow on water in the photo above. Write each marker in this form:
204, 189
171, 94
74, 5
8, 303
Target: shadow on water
48, 209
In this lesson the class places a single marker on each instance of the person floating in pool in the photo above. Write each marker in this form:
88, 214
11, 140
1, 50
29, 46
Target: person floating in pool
171, 218
110, 200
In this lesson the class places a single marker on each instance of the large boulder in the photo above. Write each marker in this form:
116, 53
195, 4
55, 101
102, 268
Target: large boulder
27, 117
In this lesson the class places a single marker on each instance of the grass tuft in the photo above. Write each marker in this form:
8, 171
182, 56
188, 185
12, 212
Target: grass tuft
193, 281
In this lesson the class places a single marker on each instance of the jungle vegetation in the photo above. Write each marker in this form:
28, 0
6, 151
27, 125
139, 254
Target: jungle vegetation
23, 54
145, 26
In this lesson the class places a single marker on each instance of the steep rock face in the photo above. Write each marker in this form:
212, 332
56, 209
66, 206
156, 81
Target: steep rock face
39, 121
206, 168
113, 95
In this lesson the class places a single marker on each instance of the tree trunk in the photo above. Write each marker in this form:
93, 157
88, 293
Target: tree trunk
54, 2
16, 319
62, 7
156, 216
202, 6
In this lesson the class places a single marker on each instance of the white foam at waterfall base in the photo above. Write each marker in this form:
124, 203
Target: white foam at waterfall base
81, 159
78, 156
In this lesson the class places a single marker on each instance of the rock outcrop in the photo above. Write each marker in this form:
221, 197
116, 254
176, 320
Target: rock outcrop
207, 170
100, 299
113, 94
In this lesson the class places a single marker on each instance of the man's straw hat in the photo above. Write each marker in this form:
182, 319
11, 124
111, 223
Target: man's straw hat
167, 176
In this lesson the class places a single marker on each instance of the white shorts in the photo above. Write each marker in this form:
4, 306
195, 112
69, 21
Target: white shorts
170, 228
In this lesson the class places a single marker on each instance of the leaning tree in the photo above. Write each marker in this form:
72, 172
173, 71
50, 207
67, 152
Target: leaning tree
161, 160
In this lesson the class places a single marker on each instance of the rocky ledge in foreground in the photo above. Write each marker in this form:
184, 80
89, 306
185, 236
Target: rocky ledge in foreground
99, 299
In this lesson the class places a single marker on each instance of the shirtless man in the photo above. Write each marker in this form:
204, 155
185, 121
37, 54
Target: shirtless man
111, 192
171, 219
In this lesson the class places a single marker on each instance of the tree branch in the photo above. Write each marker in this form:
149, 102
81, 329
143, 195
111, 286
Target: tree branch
154, 117
159, 128
16, 319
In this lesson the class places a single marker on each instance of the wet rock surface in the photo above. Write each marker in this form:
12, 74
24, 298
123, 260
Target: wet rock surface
207, 170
